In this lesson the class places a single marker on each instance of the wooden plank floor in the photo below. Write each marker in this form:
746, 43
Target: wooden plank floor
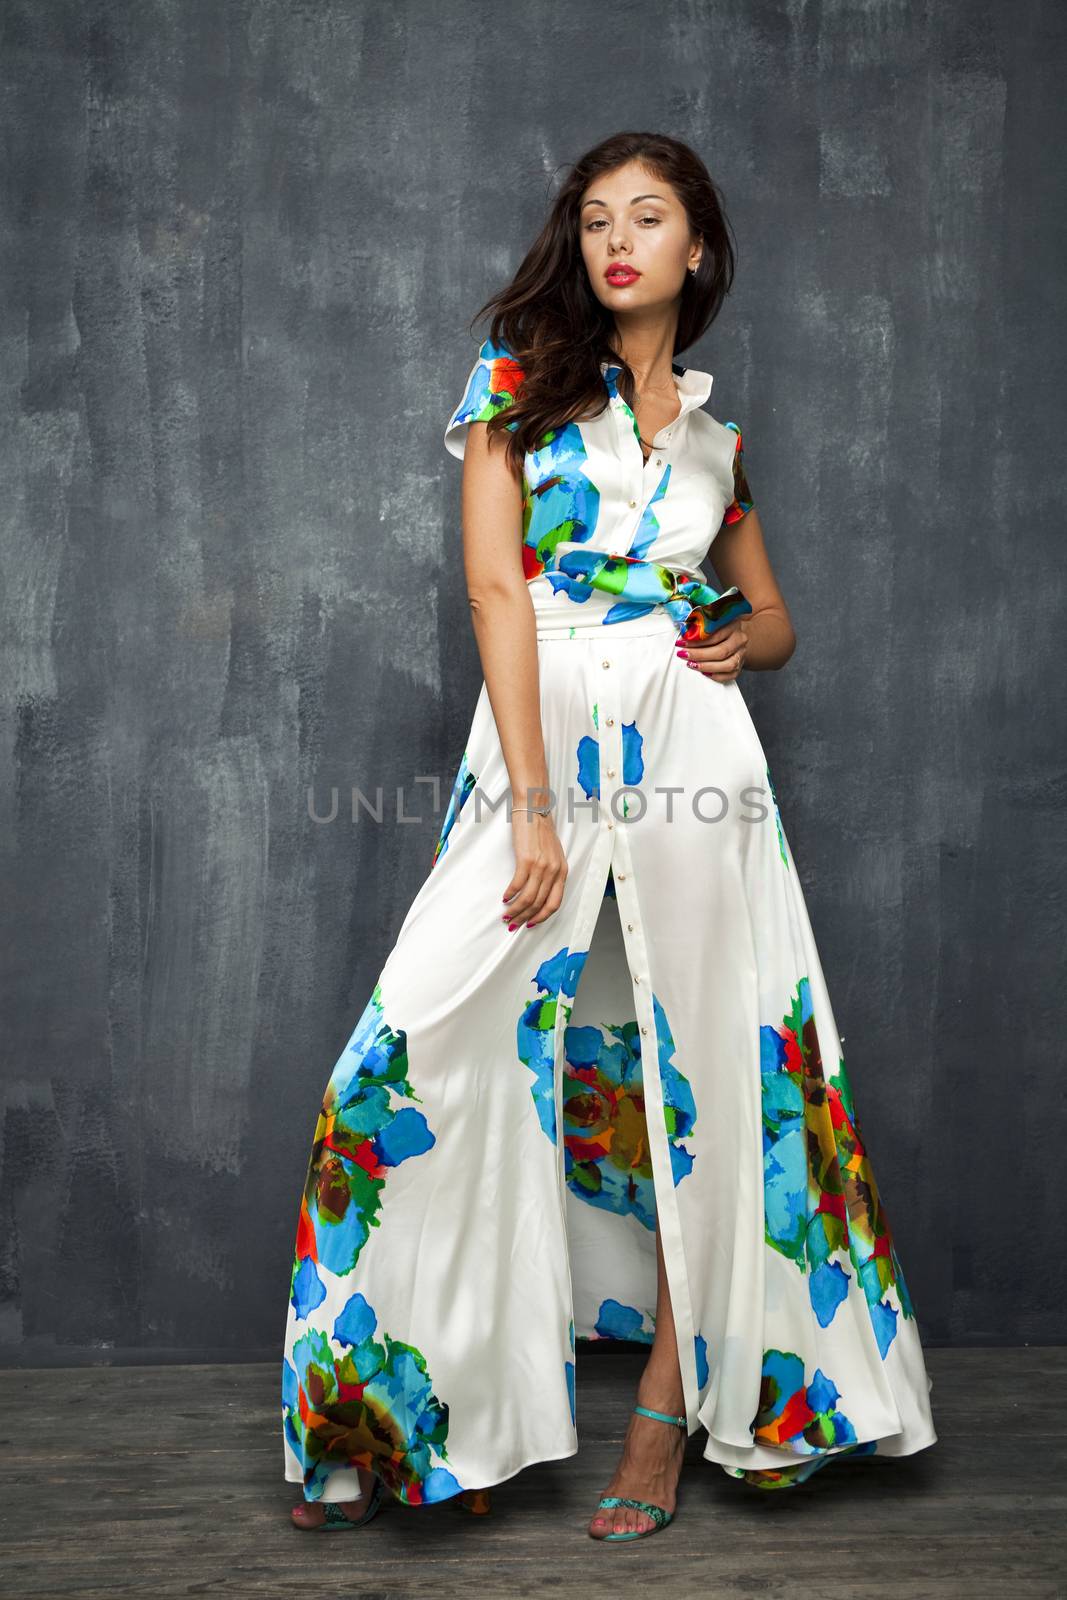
165, 1481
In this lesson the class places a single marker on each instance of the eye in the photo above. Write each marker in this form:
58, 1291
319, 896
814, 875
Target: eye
594, 226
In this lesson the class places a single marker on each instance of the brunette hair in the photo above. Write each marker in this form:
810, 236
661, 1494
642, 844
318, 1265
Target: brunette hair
548, 317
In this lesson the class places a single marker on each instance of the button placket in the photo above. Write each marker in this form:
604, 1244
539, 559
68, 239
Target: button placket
609, 741
624, 424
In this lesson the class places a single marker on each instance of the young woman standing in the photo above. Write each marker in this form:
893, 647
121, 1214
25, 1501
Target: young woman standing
598, 1089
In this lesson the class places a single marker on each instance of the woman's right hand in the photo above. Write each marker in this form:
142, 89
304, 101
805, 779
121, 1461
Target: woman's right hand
536, 890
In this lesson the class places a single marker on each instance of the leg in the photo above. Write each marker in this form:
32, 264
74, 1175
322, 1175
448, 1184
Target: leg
652, 1452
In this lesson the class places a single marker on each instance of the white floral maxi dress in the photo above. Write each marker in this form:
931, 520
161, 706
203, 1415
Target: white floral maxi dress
515, 1111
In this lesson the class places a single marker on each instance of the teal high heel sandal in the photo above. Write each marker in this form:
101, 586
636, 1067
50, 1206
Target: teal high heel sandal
660, 1518
336, 1519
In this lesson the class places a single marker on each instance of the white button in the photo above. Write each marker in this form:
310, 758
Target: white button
605, 663
629, 927
659, 463
611, 824
610, 722
611, 772
620, 877
636, 978
644, 1030
632, 504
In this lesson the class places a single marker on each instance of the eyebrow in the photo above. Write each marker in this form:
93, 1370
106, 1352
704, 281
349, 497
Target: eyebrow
633, 202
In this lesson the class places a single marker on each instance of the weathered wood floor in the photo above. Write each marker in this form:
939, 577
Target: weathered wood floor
166, 1481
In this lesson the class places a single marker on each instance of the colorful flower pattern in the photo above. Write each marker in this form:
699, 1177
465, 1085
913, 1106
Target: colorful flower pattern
801, 1416
561, 507
372, 1406
355, 1394
463, 784
561, 503
616, 1321
608, 1161
556, 980
742, 500
696, 608
360, 1136
569, 1369
777, 820
821, 1199
588, 754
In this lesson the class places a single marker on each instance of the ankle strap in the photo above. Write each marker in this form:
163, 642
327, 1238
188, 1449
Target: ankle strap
660, 1416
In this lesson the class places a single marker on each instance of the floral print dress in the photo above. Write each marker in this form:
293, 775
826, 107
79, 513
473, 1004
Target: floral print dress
514, 1112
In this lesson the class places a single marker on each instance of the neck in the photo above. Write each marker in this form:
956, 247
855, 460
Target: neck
649, 351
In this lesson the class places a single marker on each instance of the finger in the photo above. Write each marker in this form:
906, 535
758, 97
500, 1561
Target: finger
717, 651
534, 910
551, 905
525, 902
514, 886
539, 891
527, 868
514, 889
722, 668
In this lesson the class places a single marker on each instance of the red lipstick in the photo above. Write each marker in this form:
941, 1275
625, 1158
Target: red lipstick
620, 274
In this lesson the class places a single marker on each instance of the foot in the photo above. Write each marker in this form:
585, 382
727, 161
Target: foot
650, 1465
310, 1513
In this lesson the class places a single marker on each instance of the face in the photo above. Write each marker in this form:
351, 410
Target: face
636, 241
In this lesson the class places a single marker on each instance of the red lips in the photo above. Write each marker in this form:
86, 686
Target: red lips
621, 275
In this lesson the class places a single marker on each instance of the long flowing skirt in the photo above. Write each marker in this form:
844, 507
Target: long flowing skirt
515, 1111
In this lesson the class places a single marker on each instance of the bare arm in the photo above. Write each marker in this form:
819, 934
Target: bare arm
502, 617
765, 639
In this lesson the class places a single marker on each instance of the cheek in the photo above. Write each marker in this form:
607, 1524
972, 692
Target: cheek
665, 272
667, 251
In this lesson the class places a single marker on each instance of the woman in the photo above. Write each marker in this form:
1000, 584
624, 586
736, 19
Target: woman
507, 1161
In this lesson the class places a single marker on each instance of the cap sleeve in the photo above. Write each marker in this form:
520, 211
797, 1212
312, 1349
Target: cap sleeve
742, 497
491, 387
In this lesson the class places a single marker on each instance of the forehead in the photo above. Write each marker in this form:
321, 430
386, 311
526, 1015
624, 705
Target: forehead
627, 185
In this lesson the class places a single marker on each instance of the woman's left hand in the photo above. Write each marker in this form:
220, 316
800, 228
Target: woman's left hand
722, 655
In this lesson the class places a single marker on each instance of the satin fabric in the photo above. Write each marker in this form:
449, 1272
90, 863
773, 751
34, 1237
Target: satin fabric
514, 1112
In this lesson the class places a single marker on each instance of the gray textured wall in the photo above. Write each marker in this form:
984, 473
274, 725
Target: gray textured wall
240, 245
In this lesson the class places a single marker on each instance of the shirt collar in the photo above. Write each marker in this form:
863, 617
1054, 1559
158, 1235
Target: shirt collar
694, 386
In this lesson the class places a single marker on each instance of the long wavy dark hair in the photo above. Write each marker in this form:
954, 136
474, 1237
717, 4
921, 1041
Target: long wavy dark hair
551, 321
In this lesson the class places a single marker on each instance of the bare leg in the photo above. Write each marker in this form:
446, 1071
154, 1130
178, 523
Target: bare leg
652, 1451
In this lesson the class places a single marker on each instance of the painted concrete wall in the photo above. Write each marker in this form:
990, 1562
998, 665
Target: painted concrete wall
240, 245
